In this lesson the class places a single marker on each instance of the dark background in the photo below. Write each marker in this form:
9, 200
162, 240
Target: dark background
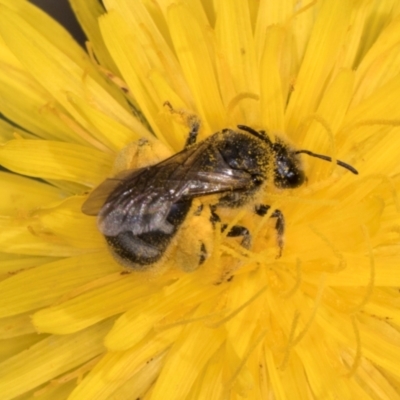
61, 11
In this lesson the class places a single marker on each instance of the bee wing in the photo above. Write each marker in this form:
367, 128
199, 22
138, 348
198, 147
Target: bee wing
139, 201
99, 195
204, 183
142, 203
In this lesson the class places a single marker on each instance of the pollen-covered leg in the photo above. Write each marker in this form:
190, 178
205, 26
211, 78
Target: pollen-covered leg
261, 210
194, 130
188, 119
203, 255
235, 231
194, 241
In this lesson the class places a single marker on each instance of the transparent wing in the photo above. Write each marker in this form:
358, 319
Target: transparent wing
99, 195
140, 201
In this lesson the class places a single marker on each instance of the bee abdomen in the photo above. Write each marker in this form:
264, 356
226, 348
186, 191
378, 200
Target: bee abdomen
134, 252
139, 251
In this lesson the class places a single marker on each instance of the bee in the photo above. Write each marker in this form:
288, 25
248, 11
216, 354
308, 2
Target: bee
141, 210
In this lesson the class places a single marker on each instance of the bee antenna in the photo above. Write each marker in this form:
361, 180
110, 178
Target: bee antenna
327, 158
260, 134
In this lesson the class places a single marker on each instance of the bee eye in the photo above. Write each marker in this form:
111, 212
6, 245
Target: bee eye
288, 172
291, 178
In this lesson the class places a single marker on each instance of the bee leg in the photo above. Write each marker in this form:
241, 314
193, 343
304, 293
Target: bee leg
185, 117
214, 216
238, 230
194, 130
235, 231
261, 210
203, 253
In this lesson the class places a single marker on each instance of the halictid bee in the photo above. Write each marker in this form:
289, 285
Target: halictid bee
141, 210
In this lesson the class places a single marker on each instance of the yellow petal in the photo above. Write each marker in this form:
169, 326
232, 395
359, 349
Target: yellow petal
323, 316
48, 27
9, 132
139, 324
154, 44
16, 326
87, 12
156, 75
380, 64
272, 93
320, 129
57, 72
107, 130
235, 41
51, 229
10, 347
376, 24
192, 46
94, 306
25, 103
324, 45
50, 358
358, 271
22, 194
48, 282
188, 358
54, 160
380, 341
117, 368
211, 384
12, 263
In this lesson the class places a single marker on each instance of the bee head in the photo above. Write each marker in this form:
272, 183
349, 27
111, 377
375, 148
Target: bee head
288, 172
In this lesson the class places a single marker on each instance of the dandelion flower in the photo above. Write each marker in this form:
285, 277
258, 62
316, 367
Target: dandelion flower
319, 322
